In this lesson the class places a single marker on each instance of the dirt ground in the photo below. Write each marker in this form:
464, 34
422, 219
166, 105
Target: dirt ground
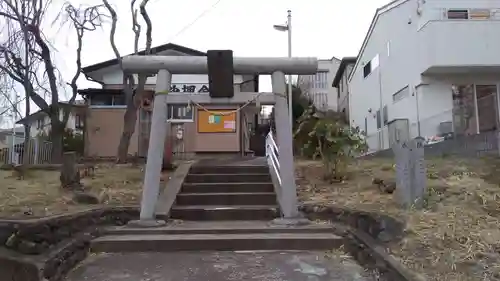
40, 194
457, 234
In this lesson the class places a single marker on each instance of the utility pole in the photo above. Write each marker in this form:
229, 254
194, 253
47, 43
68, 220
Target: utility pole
288, 28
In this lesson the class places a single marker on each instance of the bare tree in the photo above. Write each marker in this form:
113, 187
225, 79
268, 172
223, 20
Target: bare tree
20, 62
131, 90
26, 48
83, 19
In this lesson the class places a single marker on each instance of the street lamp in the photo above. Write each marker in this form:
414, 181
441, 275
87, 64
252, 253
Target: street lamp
288, 28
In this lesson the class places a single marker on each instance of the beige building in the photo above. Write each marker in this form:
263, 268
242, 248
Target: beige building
193, 130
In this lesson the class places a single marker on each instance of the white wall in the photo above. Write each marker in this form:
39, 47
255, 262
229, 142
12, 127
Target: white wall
34, 131
408, 43
444, 42
393, 40
308, 86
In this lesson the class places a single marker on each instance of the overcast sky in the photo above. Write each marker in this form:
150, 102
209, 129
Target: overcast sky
320, 28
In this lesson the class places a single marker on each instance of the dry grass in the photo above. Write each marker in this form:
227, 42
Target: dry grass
39, 194
455, 237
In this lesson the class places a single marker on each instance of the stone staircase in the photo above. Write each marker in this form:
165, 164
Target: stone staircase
226, 193
222, 208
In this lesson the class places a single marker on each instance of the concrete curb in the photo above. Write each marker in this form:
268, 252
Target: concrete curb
167, 198
364, 232
42, 249
378, 259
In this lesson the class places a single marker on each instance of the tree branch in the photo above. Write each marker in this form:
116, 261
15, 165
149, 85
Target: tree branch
114, 20
136, 27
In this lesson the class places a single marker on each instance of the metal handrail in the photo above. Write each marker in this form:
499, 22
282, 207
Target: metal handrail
245, 134
272, 155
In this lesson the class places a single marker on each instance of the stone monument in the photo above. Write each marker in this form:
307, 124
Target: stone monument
410, 172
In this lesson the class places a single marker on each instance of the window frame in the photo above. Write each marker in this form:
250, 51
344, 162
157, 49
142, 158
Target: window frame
379, 120
367, 69
170, 114
79, 122
401, 94
112, 105
40, 123
146, 115
465, 12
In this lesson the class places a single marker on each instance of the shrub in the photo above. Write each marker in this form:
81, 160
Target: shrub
327, 136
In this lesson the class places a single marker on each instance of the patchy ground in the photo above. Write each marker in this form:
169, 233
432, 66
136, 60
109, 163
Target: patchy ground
39, 193
455, 237
201, 266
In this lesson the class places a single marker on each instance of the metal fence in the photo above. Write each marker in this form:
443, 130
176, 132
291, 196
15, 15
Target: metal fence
447, 133
37, 151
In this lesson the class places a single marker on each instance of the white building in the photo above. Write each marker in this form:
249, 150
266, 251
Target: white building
40, 120
319, 87
340, 82
432, 63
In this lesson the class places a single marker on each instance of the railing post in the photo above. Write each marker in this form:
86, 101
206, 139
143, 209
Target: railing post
285, 149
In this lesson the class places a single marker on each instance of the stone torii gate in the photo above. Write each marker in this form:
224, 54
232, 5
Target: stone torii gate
165, 66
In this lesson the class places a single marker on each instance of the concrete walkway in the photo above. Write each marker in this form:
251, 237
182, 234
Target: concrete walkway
219, 266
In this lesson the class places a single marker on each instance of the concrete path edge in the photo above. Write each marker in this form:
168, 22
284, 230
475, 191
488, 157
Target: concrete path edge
391, 268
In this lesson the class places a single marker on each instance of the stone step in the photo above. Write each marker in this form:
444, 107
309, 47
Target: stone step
221, 212
216, 242
236, 178
227, 187
229, 170
221, 227
240, 198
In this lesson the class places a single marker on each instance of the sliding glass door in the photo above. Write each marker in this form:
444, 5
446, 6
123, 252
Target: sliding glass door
475, 108
486, 107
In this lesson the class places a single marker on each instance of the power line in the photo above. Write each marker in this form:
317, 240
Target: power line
186, 27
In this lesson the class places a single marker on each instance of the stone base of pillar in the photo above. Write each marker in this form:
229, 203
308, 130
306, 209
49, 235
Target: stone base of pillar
146, 223
290, 221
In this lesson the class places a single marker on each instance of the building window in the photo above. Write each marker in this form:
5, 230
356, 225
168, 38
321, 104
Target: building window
102, 100
40, 123
108, 100
401, 94
367, 69
371, 66
379, 120
175, 113
458, 14
319, 80
480, 14
385, 115
78, 121
180, 113
119, 100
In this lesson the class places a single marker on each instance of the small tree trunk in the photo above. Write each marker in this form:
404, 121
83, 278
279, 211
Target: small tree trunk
56, 138
25, 156
129, 119
70, 176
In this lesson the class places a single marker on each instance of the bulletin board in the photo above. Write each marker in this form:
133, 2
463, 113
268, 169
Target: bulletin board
212, 123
